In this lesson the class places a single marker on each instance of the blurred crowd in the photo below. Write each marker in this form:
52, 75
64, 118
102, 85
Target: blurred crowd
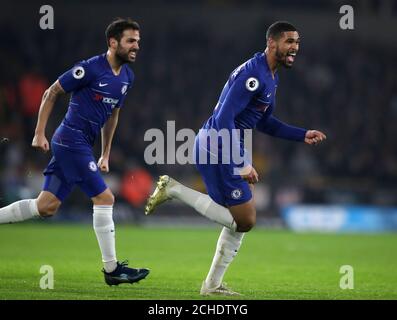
344, 87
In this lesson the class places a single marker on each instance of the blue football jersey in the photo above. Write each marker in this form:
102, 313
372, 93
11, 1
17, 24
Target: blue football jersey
96, 91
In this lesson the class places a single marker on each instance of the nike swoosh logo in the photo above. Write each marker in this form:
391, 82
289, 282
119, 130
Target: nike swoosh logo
268, 95
103, 84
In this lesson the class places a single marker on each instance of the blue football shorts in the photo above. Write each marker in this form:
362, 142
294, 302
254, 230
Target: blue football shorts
223, 186
70, 167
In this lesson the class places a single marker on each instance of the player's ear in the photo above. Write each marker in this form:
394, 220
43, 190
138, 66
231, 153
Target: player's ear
271, 43
112, 43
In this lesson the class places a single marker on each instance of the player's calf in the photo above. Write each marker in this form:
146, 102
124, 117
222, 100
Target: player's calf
19, 211
104, 228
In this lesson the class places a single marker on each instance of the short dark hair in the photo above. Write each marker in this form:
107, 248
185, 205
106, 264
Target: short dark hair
276, 29
116, 28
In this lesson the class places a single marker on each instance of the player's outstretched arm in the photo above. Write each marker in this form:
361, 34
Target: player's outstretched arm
107, 134
47, 103
276, 128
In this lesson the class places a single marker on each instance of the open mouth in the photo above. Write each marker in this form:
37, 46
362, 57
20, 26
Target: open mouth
132, 54
291, 57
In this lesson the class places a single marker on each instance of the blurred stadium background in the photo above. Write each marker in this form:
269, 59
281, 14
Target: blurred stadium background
344, 82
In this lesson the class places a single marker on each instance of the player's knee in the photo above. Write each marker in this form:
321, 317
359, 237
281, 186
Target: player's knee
244, 227
244, 216
47, 209
105, 198
246, 224
108, 198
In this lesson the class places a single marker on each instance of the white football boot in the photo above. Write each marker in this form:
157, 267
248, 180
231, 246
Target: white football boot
221, 290
160, 194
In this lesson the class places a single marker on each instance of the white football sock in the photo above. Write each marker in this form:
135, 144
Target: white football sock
203, 204
105, 233
227, 247
19, 211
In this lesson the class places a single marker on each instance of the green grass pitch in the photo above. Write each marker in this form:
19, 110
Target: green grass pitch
270, 265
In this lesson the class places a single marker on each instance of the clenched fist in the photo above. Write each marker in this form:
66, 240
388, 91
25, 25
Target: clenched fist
40, 142
103, 164
314, 137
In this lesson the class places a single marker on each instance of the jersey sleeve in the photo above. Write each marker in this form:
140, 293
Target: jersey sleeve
77, 77
274, 127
